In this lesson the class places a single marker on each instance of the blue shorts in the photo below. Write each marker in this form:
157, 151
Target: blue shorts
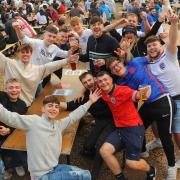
128, 138
176, 119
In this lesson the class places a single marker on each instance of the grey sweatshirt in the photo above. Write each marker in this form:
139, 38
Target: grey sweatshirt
43, 136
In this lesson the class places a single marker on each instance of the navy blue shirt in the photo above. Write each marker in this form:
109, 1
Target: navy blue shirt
138, 74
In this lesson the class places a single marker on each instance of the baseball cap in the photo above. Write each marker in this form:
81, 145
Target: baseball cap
129, 28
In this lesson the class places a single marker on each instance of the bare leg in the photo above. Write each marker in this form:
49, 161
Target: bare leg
107, 152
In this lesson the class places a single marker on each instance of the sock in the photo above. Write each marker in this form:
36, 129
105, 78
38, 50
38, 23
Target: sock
120, 176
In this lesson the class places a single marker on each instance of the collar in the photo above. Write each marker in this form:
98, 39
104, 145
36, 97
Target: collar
112, 90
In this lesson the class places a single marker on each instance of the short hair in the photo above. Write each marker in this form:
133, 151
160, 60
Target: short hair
25, 47
64, 29
84, 74
102, 73
151, 39
75, 20
132, 14
111, 60
51, 99
12, 80
51, 29
95, 19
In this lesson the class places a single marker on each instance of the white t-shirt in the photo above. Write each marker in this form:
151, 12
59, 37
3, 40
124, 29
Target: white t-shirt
167, 70
83, 39
41, 54
139, 33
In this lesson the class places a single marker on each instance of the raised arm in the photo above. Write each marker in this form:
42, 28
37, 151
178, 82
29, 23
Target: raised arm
80, 111
120, 22
55, 65
15, 120
18, 30
173, 33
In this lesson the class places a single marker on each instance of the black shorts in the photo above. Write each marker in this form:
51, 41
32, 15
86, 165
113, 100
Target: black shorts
128, 138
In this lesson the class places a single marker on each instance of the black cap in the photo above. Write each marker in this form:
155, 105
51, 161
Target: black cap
129, 28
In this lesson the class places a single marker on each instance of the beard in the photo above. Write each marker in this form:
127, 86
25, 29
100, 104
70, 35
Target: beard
154, 56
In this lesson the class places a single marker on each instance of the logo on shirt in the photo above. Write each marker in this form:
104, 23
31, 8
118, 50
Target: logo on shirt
162, 66
131, 70
113, 100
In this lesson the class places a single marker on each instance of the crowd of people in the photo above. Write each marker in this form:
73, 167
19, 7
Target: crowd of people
129, 62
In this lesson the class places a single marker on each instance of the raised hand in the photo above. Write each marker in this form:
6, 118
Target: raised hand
173, 18
16, 25
94, 96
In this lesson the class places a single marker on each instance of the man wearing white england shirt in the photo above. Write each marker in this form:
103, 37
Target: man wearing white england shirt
164, 64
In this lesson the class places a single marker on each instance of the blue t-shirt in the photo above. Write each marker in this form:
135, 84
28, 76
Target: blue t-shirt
105, 9
137, 74
150, 20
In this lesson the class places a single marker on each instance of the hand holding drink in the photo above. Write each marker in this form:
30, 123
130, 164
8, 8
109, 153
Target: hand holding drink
145, 92
73, 60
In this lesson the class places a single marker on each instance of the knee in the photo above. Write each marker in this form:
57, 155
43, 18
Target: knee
132, 164
106, 150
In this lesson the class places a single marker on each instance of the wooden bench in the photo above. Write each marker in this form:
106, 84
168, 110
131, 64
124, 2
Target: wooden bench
17, 140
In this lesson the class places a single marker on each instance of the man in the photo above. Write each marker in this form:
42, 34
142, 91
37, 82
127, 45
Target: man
83, 33
103, 121
129, 128
76, 11
62, 43
159, 108
44, 50
164, 64
10, 100
29, 74
44, 138
100, 46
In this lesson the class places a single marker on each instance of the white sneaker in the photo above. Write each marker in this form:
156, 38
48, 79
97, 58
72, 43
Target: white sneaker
144, 154
171, 173
178, 163
155, 143
7, 175
20, 171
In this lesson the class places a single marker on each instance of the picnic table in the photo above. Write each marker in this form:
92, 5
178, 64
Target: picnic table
17, 140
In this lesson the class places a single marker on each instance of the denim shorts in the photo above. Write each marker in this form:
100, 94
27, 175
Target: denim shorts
176, 119
128, 138
67, 172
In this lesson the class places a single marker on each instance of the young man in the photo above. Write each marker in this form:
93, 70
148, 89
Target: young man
103, 121
44, 51
44, 151
100, 46
61, 42
83, 33
164, 64
29, 74
159, 108
10, 100
129, 131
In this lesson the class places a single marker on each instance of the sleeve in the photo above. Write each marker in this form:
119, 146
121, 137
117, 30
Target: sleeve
153, 31
3, 61
172, 56
114, 45
115, 34
61, 53
15, 120
50, 67
73, 116
72, 105
128, 94
31, 41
